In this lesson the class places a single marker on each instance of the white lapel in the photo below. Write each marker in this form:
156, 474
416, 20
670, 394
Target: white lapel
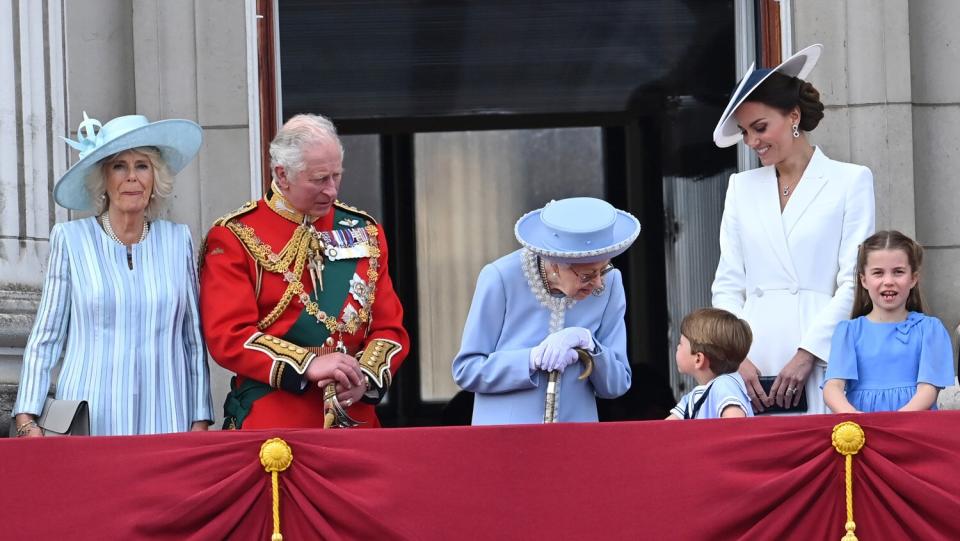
768, 214
812, 181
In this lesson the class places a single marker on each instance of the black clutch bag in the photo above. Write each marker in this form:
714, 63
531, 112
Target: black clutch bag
767, 382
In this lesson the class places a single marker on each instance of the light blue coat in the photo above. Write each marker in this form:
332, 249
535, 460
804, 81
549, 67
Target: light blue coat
134, 350
506, 321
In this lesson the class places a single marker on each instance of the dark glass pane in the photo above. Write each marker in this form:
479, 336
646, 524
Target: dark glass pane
471, 187
353, 59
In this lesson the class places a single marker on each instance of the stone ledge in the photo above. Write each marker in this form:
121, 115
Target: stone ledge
18, 309
8, 395
949, 398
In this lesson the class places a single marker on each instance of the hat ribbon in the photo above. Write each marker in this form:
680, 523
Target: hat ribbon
87, 139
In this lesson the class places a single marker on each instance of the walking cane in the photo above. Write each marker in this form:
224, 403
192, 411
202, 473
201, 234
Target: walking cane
333, 413
553, 386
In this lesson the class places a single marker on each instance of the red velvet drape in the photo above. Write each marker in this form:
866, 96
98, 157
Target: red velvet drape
763, 478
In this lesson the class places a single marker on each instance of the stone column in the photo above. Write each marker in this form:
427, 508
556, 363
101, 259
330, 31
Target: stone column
864, 81
191, 62
31, 159
936, 144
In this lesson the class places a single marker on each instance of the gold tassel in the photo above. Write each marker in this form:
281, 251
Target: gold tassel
276, 456
848, 438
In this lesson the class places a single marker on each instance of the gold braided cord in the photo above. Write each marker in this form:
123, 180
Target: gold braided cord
275, 481
263, 253
848, 438
295, 253
275, 456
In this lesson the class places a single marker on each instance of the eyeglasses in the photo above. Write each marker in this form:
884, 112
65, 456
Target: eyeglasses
586, 278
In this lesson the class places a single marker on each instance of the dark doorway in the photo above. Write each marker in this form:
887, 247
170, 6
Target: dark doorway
649, 78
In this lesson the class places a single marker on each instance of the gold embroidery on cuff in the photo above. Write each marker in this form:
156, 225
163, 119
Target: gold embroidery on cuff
283, 354
375, 360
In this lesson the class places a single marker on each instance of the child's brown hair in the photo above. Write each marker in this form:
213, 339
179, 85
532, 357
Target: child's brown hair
721, 336
887, 240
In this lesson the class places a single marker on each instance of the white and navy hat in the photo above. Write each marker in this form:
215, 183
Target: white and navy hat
577, 230
799, 65
177, 140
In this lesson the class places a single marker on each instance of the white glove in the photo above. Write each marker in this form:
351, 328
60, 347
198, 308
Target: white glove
557, 352
536, 358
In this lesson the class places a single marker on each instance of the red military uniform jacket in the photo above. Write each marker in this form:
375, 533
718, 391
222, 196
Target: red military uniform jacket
263, 320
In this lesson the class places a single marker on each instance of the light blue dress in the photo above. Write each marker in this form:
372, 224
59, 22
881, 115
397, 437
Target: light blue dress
134, 350
506, 321
883, 362
725, 390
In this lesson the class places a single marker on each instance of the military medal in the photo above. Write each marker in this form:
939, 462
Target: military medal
351, 243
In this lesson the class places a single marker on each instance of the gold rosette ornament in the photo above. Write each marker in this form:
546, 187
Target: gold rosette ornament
848, 438
276, 456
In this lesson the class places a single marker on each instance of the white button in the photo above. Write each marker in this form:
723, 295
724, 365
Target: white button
758, 292
793, 290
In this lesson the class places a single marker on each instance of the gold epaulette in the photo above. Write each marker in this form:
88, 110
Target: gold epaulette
355, 210
245, 208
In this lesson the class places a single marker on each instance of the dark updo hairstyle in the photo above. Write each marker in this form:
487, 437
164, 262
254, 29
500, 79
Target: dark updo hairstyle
784, 93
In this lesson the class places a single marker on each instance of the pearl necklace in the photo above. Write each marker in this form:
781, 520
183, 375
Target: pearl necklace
108, 228
557, 305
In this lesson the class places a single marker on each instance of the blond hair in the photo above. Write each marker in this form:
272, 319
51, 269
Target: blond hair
96, 182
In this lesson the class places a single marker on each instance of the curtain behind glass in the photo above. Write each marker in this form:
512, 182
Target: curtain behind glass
471, 187
361, 174
694, 208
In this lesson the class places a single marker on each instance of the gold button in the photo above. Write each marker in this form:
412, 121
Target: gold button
301, 351
329, 341
276, 340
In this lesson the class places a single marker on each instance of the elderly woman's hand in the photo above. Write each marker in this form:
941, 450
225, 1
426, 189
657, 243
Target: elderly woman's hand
27, 426
557, 348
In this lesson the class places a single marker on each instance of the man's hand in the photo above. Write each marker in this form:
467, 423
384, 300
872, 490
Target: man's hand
348, 397
338, 368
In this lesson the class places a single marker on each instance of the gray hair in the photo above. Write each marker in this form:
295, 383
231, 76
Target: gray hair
96, 182
286, 149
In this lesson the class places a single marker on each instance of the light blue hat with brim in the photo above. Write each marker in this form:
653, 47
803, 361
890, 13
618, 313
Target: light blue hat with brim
177, 140
799, 65
577, 230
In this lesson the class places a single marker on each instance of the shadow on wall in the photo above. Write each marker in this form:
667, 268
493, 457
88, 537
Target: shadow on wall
649, 398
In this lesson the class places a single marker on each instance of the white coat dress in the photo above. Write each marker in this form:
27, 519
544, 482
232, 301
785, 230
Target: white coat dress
791, 275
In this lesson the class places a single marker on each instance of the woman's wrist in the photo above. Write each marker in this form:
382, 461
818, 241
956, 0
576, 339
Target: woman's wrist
27, 427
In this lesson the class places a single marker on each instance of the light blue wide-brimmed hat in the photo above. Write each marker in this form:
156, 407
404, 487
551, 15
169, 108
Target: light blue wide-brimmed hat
177, 140
799, 65
577, 230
